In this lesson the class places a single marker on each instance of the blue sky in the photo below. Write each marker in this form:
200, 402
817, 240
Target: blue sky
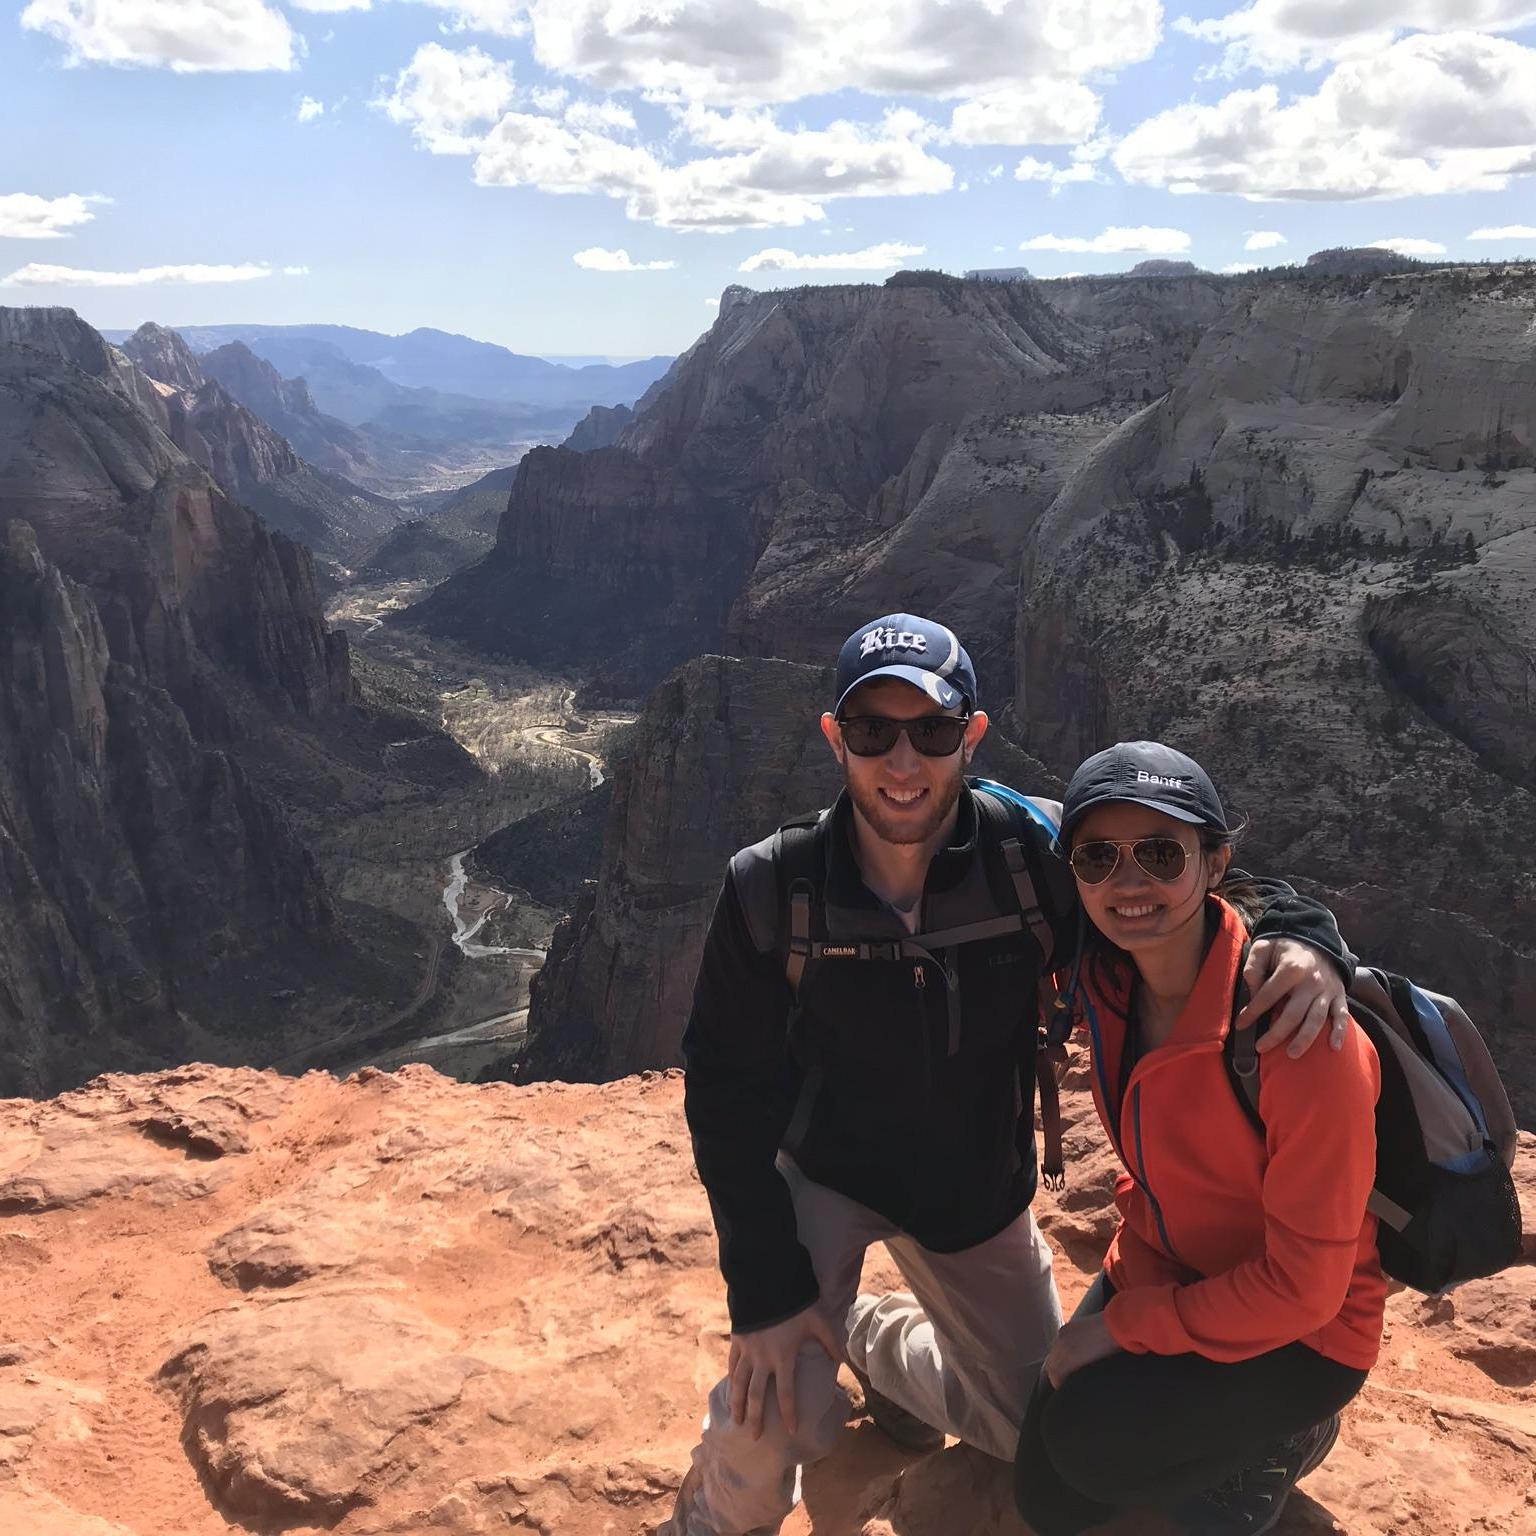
460, 155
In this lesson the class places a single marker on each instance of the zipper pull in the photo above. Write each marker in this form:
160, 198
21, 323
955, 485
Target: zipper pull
919, 976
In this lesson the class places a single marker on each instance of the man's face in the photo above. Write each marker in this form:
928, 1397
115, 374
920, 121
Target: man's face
903, 796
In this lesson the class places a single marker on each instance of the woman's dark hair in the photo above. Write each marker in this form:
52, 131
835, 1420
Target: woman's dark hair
1237, 891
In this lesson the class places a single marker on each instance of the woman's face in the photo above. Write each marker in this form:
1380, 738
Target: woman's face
1131, 908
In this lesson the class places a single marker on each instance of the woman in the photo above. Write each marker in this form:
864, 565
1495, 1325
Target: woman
1240, 1305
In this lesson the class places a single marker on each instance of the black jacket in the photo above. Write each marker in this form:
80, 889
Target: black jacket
916, 1065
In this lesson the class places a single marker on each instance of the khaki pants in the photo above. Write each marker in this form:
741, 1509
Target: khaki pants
961, 1351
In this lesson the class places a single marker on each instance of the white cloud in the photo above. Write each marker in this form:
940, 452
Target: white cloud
448, 97
746, 52
1263, 240
1030, 169
1066, 113
600, 116
505, 18
295, 271
1280, 35
873, 258
310, 109
1012, 72
596, 259
784, 179
187, 36
24, 216
1234, 267
37, 275
1147, 241
1505, 232
1408, 245
1427, 115
327, 6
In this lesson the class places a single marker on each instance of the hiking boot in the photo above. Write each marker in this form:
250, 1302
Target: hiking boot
1251, 1502
898, 1424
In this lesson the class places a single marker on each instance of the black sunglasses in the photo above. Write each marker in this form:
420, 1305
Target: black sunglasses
1163, 858
931, 735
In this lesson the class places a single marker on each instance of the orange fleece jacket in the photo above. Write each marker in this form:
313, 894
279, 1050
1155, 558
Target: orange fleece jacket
1229, 1245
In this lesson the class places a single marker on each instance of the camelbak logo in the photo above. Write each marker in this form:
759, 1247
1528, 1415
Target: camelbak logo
883, 638
840, 951
1143, 777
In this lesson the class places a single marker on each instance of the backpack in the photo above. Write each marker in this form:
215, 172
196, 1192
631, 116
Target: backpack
1445, 1134
797, 860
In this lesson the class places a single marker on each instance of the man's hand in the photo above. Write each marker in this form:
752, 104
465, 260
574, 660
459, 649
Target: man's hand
1289, 971
1081, 1341
770, 1353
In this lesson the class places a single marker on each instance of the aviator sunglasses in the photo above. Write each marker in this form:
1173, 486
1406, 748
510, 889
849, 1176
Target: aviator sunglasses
1163, 858
931, 735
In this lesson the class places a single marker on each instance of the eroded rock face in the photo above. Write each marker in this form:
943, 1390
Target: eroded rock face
1313, 565
154, 900
162, 354
520, 1321
628, 558
120, 509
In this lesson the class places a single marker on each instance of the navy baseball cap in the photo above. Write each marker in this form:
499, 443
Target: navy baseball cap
918, 651
1148, 773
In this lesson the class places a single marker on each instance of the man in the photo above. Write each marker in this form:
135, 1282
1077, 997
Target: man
870, 1080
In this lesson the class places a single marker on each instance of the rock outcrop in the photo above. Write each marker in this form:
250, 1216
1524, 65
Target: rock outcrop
1313, 565
287, 406
151, 898
154, 901
627, 559
1358, 261
162, 354
239, 419
599, 428
1158, 267
398, 1305
178, 566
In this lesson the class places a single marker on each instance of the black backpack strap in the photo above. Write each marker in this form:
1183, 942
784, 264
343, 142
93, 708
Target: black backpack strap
1240, 1051
1045, 1050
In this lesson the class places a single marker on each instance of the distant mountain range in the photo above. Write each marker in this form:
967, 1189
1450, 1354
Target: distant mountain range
431, 384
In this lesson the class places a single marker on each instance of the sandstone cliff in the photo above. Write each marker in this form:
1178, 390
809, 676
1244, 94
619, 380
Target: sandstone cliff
84, 458
287, 406
599, 428
245, 449
162, 354
161, 642
143, 876
1314, 566
629, 558
398, 1305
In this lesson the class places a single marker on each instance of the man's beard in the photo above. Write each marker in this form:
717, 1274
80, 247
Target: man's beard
889, 828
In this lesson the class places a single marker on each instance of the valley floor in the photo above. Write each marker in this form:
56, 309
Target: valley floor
485, 938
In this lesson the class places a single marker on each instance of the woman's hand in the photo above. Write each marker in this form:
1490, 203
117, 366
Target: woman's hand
1290, 972
1080, 1342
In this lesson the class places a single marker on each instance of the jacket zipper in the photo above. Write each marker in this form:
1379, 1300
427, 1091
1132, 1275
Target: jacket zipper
1141, 1176
1138, 1171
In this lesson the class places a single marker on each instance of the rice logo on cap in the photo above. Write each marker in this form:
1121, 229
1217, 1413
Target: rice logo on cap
882, 639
